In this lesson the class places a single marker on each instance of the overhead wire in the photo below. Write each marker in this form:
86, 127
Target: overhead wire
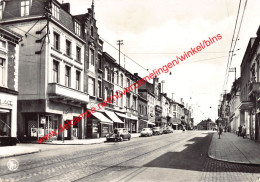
231, 45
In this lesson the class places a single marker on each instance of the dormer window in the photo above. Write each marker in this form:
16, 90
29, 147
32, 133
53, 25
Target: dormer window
25, 7
55, 11
77, 28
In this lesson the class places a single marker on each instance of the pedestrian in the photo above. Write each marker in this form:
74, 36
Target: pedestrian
219, 131
244, 131
239, 130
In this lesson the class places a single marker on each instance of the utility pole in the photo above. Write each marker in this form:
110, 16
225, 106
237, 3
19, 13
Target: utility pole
119, 42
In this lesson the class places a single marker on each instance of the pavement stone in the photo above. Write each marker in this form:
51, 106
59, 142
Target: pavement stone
231, 148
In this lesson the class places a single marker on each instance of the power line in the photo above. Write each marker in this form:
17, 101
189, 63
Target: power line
241, 21
231, 46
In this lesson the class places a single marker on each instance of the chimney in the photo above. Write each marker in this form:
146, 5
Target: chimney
66, 7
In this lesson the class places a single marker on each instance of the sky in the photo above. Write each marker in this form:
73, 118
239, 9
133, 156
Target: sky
155, 32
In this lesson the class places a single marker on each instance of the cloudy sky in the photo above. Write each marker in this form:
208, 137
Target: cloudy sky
155, 32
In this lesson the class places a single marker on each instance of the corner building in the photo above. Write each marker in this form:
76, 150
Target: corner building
51, 69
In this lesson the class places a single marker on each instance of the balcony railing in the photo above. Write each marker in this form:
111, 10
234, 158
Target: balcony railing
57, 91
254, 87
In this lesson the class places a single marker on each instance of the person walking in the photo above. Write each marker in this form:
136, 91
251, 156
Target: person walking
220, 130
244, 131
239, 130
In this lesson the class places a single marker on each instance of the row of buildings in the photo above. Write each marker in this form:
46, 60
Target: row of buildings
241, 106
53, 68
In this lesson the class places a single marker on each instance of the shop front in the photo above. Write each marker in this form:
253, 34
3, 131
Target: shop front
36, 122
131, 122
8, 118
99, 125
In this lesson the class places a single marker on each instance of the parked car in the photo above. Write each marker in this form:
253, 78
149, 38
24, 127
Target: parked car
157, 131
119, 135
147, 132
169, 130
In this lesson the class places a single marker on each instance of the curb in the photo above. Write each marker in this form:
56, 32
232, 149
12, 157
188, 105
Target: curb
14, 155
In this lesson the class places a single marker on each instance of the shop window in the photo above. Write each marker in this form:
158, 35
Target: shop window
68, 48
25, 6
3, 80
5, 123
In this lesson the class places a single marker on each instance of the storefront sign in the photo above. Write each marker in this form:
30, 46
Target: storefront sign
43, 120
6, 102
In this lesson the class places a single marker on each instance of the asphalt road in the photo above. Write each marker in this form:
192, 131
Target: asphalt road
181, 156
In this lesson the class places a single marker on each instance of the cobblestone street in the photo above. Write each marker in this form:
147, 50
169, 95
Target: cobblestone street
181, 156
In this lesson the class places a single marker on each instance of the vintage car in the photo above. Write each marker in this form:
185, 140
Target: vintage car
119, 135
157, 131
147, 132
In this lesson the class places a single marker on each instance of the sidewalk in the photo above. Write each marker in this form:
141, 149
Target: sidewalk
10, 151
84, 141
232, 148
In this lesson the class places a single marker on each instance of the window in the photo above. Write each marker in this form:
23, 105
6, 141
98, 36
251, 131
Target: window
78, 80
122, 80
2, 72
112, 76
92, 31
77, 28
91, 86
55, 72
55, 11
25, 8
106, 93
2, 43
174, 114
1, 10
128, 82
99, 62
68, 47
99, 89
67, 76
134, 103
106, 74
91, 57
5, 124
115, 77
78, 54
117, 99
122, 100
56, 41
128, 101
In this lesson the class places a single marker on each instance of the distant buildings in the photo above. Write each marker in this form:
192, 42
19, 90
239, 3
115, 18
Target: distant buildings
241, 106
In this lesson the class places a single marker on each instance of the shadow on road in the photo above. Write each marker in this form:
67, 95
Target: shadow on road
195, 157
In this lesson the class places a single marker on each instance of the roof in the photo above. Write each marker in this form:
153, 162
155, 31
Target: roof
9, 31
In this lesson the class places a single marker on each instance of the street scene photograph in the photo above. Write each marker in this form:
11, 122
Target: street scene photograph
130, 91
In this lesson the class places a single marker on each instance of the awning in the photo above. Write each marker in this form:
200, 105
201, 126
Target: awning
123, 115
134, 118
114, 117
150, 123
102, 118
